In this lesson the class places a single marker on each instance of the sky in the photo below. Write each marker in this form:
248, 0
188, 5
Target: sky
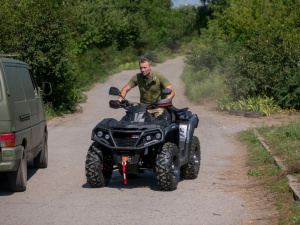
177, 3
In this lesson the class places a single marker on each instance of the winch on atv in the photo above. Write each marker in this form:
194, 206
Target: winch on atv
165, 145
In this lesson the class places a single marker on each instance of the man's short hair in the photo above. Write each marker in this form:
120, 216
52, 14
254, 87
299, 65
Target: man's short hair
145, 59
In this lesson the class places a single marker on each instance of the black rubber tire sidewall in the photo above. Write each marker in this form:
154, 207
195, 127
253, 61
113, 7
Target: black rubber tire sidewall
94, 174
17, 180
41, 160
253, 114
167, 180
191, 170
240, 113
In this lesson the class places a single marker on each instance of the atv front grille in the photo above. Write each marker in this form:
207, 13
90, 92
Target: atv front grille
126, 139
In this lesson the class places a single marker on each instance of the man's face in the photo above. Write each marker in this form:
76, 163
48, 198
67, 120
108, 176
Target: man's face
145, 68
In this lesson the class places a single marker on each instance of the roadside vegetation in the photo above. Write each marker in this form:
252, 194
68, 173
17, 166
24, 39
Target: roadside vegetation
74, 44
244, 54
248, 56
283, 142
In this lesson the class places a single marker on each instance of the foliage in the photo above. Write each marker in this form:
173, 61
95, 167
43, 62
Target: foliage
39, 31
265, 105
256, 45
75, 43
267, 66
199, 86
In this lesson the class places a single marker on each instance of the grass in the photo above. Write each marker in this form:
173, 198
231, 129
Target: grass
262, 167
199, 86
284, 141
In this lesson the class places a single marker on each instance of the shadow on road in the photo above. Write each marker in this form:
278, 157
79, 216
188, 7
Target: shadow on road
145, 180
4, 189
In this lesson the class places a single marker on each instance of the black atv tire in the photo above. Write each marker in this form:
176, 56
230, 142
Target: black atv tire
17, 180
191, 170
95, 176
167, 167
41, 160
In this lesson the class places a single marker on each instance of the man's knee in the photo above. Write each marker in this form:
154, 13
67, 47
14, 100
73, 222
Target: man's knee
156, 112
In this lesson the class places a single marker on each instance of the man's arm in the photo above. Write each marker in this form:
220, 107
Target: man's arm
171, 96
124, 92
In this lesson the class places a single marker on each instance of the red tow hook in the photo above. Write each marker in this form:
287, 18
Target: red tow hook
124, 171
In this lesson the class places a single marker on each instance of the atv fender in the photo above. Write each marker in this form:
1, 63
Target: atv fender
186, 132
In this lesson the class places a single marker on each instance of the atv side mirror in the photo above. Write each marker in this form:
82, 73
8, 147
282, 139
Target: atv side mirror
166, 91
114, 91
115, 104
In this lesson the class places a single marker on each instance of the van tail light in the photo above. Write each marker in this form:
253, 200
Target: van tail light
8, 140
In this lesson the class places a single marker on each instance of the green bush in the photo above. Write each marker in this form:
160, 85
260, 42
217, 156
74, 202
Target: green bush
255, 45
75, 43
267, 66
267, 63
40, 32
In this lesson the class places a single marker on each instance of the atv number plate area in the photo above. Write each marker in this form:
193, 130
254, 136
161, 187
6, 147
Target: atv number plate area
135, 136
183, 130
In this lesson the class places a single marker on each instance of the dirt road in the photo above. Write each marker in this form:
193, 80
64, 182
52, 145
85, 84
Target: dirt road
222, 193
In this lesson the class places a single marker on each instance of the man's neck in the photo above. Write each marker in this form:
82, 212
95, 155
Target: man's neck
149, 75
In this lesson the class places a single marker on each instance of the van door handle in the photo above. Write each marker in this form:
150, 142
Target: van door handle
24, 117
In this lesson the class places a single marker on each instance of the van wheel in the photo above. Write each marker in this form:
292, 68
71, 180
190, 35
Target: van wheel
41, 160
191, 170
17, 180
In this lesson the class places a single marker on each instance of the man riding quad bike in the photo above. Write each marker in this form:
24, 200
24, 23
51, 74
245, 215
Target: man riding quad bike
165, 145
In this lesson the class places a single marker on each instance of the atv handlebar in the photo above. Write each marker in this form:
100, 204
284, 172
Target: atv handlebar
126, 104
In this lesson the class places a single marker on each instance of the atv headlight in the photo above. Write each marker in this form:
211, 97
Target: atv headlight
158, 136
106, 136
148, 138
99, 134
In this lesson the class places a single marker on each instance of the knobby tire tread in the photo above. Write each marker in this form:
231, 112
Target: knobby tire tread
94, 174
163, 167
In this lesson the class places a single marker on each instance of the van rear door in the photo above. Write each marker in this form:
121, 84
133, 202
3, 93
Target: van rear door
19, 107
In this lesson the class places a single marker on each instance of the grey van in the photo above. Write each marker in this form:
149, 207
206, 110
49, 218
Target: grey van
23, 128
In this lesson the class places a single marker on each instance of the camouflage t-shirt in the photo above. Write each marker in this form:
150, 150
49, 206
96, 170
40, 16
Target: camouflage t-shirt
149, 88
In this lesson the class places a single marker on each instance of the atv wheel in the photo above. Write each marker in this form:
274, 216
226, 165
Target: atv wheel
191, 170
167, 167
97, 173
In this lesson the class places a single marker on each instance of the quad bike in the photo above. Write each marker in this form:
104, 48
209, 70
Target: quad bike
165, 145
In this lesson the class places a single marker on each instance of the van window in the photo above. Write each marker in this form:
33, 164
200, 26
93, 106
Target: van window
14, 83
33, 82
29, 87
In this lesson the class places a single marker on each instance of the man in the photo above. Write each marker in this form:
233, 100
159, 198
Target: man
150, 84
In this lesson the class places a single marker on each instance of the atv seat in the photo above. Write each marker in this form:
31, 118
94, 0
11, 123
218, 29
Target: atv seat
179, 114
174, 109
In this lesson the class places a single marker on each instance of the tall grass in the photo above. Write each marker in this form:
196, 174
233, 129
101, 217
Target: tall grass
199, 85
